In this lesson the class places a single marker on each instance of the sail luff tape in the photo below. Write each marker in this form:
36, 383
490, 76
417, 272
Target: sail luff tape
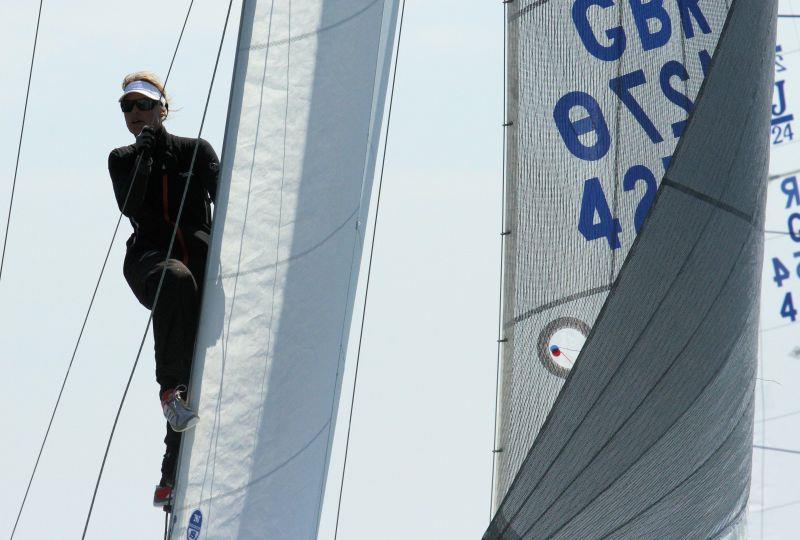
144, 88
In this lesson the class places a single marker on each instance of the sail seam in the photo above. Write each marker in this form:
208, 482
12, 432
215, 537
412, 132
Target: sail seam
297, 255
318, 31
721, 40
709, 200
630, 255
618, 279
258, 479
685, 480
555, 303
527, 9
633, 248
655, 385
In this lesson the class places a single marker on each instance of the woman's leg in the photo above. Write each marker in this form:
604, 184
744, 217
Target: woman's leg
175, 316
172, 440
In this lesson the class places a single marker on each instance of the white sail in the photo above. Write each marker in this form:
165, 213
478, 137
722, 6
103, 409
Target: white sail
651, 435
599, 94
298, 160
775, 492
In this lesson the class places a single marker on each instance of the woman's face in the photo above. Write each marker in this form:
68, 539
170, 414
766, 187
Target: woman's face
136, 119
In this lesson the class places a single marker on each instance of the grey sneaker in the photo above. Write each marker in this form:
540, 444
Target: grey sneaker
177, 412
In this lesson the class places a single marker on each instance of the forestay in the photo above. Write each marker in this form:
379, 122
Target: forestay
298, 160
599, 94
651, 435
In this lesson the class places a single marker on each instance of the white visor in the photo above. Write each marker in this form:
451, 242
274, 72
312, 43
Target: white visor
144, 88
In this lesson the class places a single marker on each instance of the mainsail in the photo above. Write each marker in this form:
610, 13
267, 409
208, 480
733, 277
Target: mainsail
775, 493
303, 128
648, 434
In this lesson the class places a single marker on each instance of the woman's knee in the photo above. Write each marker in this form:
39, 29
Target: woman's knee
178, 277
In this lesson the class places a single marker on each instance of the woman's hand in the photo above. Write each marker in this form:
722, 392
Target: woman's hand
145, 141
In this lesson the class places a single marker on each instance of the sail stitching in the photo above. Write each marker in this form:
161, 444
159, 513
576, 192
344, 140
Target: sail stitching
617, 151
689, 477
559, 301
299, 254
631, 253
527, 9
280, 207
307, 35
655, 385
258, 479
213, 440
683, 188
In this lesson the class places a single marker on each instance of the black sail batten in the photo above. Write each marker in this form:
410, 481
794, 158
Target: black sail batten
651, 435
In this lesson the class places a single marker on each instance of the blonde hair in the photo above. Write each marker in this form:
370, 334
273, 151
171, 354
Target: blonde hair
152, 78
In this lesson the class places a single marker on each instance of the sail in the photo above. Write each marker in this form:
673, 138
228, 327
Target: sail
599, 94
299, 153
775, 492
650, 436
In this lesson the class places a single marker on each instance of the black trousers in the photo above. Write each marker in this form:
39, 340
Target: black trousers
174, 319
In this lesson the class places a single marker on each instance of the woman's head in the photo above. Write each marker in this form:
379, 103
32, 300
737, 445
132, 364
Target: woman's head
144, 101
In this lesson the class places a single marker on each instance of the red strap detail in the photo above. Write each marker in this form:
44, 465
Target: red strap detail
181, 242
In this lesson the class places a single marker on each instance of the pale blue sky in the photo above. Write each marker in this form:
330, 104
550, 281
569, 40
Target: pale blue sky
423, 422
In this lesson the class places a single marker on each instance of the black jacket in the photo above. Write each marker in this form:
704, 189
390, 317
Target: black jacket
155, 198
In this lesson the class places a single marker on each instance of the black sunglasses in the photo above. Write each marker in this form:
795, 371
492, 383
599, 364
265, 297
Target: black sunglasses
143, 104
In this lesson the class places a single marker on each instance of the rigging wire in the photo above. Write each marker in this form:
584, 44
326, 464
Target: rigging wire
369, 269
503, 233
762, 365
163, 271
19, 145
91, 301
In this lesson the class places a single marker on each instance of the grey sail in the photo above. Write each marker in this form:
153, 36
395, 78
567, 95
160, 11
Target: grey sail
651, 434
300, 147
599, 93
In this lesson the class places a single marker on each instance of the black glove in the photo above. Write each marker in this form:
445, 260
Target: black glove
145, 141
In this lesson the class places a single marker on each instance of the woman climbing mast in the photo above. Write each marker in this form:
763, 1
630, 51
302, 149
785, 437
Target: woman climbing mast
149, 178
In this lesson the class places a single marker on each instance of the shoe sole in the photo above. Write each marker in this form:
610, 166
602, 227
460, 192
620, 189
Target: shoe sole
189, 425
